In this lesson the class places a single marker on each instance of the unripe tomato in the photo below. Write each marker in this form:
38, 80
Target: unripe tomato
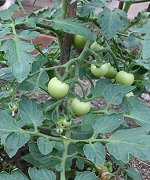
101, 71
59, 130
124, 78
95, 47
64, 123
57, 89
13, 107
80, 108
111, 73
79, 41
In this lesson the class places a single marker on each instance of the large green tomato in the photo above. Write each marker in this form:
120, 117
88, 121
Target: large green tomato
124, 78
101, 71
80, 108
95, 47
57, 89
79, 41
111, 73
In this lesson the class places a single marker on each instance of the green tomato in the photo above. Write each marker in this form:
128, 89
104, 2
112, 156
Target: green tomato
101, 71
95, 47
13, 107
80, 108
64, 123
57, 89
124, 78
111, 73
79, 41
59, 130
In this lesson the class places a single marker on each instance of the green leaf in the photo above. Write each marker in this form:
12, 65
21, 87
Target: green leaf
45, 146
145, 63
38, 80
18, 57
86, 175
73, 26
4, 32
6, 74
146, 47
51, 104
99, 89
137, 110
112, 21
16, 141
80, 164
114, 93
15, 174
30, 112
6, 14
95, 153
4, 94
28, 35
107, 123
87, 121
133, 174
8, 124
91, 7
135, 142
40, 174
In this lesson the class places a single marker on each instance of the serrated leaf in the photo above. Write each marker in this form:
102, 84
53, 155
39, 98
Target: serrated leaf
95, 153
133, 174
86, 175
73, 26
16, 52
28, 35
111, 21
87, 121
107, 123
145, 63
91, 6
99, 89
15, 174
40, 174
8, 124
137, 110
135, 142
45, 146
114, 93
6, 74
4, 94
30, 112
51, 104
16, 141
6, 14
4, 32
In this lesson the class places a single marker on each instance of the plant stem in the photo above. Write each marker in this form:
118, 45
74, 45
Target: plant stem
63, 9
127, 7
64, 158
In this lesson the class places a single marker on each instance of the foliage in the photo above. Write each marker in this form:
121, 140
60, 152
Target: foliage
61, 142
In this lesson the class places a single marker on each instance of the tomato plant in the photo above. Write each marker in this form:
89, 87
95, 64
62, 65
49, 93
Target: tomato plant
65, 108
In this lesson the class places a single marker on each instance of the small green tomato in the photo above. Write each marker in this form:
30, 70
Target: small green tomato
57, 89
80, 108
99, 72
